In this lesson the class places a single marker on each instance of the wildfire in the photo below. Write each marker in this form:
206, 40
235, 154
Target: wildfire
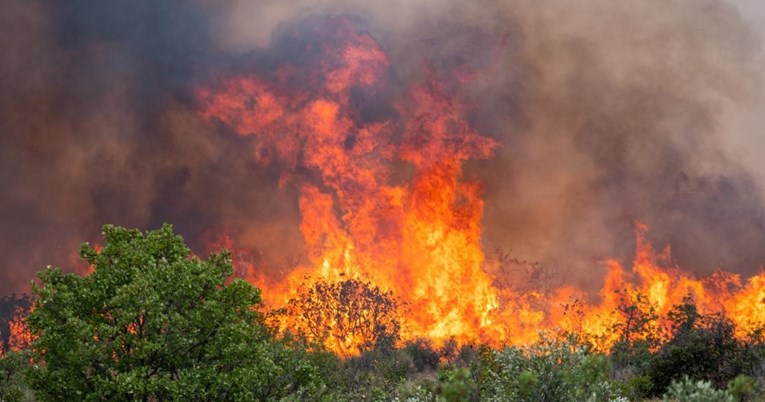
19, 335
419, 239
648, 291
383, 200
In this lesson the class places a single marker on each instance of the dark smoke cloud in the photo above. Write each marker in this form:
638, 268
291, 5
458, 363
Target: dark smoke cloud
607, 112
623, 106
97, 125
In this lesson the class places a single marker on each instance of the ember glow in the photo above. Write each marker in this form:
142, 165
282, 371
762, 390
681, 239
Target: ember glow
384, 200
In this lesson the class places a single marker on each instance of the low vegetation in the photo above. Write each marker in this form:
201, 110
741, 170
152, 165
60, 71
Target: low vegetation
153, 322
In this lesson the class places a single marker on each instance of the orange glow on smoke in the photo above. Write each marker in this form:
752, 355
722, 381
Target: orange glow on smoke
384, 200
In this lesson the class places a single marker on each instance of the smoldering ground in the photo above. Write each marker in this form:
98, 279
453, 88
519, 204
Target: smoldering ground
606, 113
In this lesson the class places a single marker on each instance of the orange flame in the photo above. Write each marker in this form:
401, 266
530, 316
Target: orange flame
653, 287
419, 239
384, 200
20, 335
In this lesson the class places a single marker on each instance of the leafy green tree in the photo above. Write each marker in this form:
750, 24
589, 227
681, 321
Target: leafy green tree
703, 347
13, 365
153, 322
457, 385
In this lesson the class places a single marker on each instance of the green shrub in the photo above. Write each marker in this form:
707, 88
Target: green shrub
456, 385
547, 371
742, 387
709, 351
13, 366
637, 387
423, 355
687, 390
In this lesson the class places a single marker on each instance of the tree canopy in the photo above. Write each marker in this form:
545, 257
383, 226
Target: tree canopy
154, 322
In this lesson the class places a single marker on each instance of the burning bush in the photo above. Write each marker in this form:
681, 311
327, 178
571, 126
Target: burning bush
349, 317
13, 333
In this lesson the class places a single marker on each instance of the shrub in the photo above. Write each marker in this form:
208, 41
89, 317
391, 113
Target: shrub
688, 390
548, 371
13, 366
456, 385
742, 387
708, 351
423, 355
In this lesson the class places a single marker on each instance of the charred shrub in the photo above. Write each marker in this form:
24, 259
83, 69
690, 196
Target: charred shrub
349, 317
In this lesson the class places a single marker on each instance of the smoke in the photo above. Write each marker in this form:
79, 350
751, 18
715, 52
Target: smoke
624, 107
606, 112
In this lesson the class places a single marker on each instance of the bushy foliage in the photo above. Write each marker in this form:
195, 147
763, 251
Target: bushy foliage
372, 374
153, 322
13, 366
743, 387
422, 354
697, 346
385, 372
453, 384
701, 347
688, 390
551, 370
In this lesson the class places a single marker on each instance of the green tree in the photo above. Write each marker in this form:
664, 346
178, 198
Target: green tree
13, 365
154, 322
637, 319
704, 349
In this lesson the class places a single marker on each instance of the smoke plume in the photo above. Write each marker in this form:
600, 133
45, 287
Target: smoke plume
605, 113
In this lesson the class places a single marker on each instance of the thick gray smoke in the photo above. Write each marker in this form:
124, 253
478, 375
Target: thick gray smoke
607, 113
